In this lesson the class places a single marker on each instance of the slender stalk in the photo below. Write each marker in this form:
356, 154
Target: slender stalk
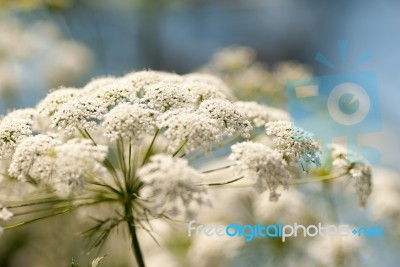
218, 169
224, 183
148, 153
180, 148
132, 231
56, 213
107, 162
317, 179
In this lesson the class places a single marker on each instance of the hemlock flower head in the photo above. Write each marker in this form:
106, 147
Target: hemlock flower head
79, 113
227, 116
130, 121
28, 114
186, 126
206, 86
173, 184
54, 100
66, 167
142, 79
295, 144
13, 129
73, 164
99, 84
29, 159
260, 163
113, 91
164, 96
357, 168
259, 114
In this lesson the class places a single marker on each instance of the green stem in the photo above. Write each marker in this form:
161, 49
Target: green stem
218, 169
63, 211
132, 231
148, 153
317, 179
224, 183
180, 148
107, 162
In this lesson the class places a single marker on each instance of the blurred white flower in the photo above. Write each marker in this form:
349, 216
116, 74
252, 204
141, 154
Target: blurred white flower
258, 162
385, 198
210, 251
290, 208
233, 58
329, 250
73, 164
42, 49
357, 168
5, 214
162, 258
172, 185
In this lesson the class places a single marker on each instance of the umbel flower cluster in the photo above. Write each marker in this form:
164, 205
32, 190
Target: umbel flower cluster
144, 144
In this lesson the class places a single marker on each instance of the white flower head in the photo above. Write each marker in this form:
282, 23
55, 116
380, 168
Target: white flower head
212, 86
81, 113
185, 126
294, 143
140, 80
5, 214
28, 114
74, 163
66, 167
172, 185
165, 96
260, 114
260, 163
14, 127
29, 160
112, 91
98, 84
225, 113
130, 121
358, 169
53, 101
